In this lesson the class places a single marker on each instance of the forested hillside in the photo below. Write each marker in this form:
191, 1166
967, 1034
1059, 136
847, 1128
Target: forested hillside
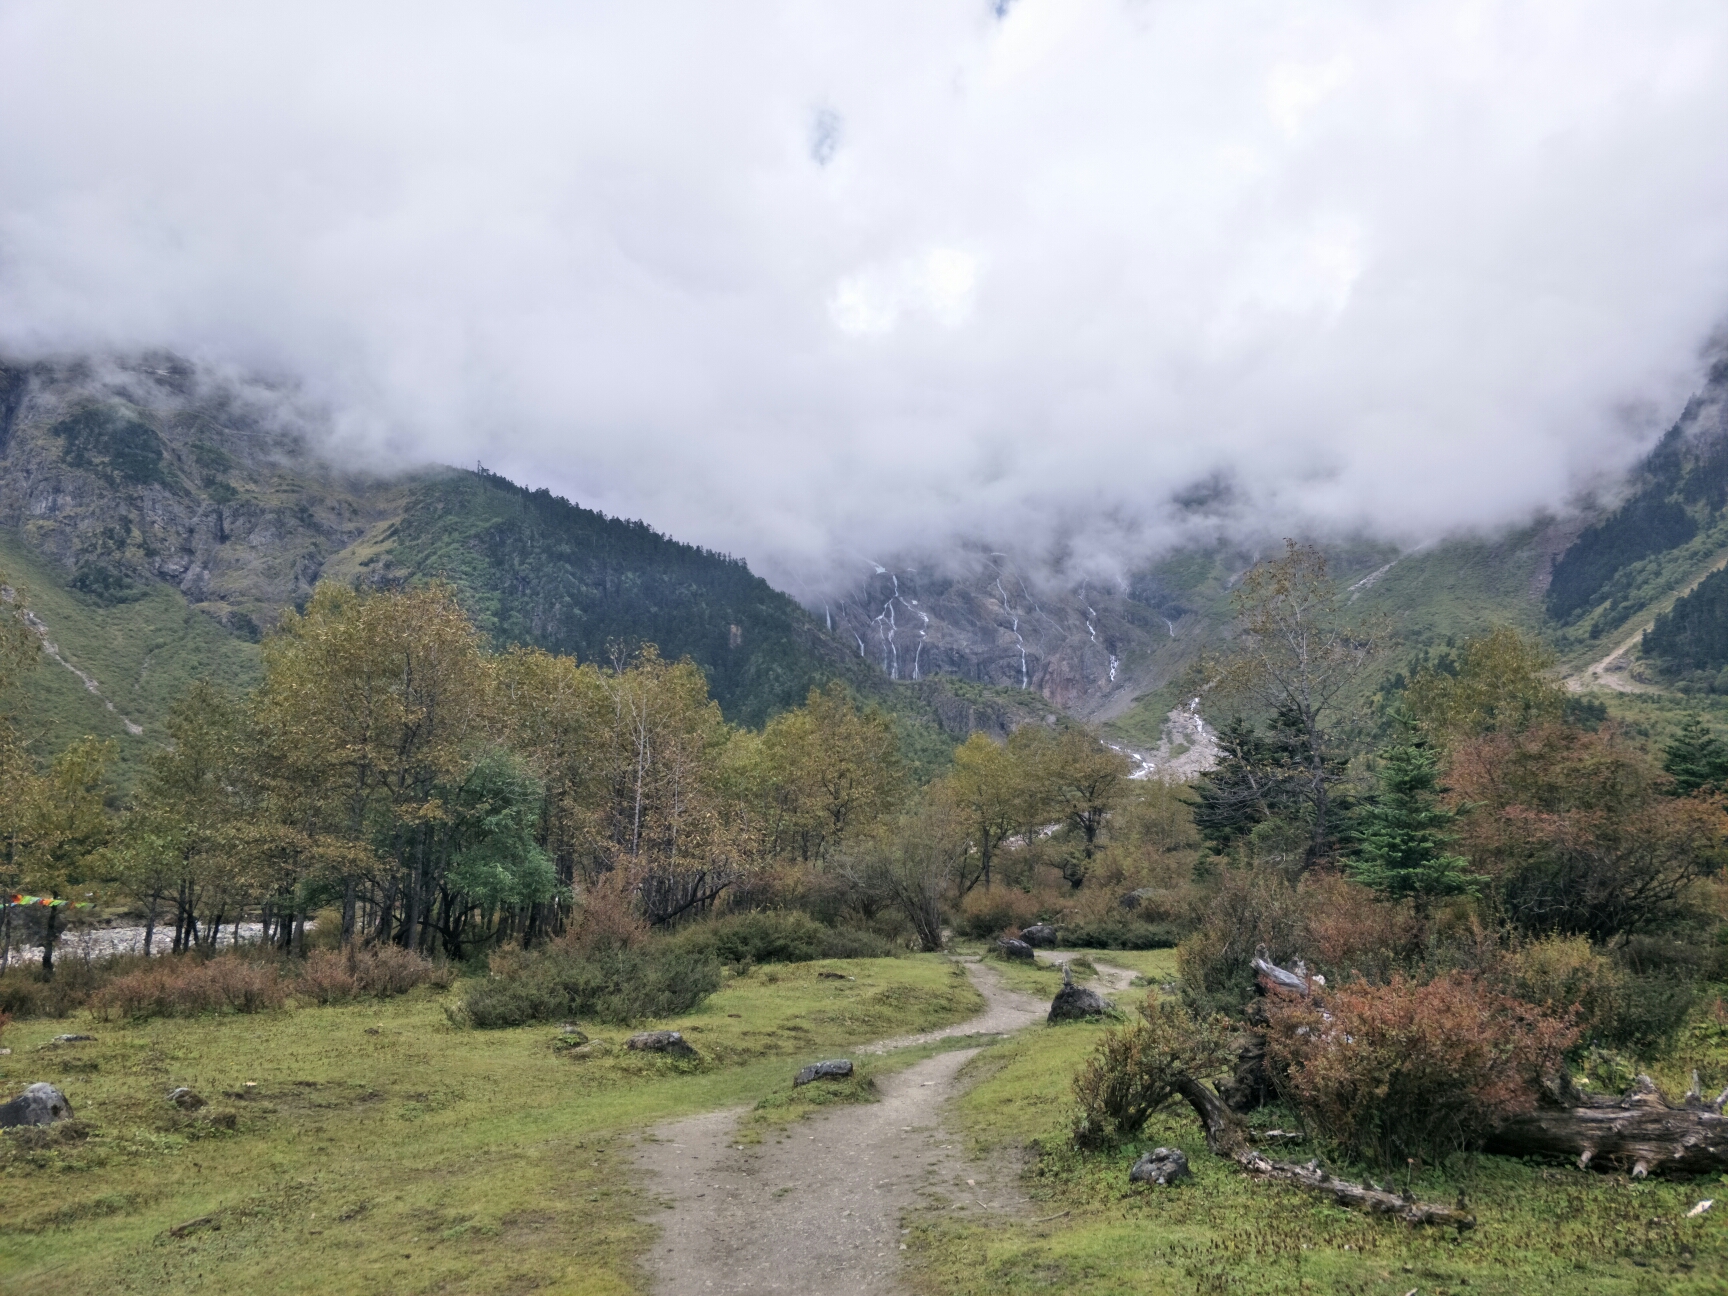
163, 519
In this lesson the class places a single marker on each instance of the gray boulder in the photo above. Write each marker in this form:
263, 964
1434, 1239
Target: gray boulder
1040, 936
72, 1039
838, 1069
1016, 949
1076, 1003
1134, 899
1162, 1166
185, 1099
669, 1042
40, 1104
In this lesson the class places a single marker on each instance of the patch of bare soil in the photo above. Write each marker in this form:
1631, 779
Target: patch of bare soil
818, 1207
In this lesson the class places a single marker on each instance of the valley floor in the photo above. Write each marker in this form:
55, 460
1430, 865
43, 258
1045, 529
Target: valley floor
376, 1148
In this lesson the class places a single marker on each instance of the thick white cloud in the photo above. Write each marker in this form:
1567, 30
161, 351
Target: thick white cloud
816, 282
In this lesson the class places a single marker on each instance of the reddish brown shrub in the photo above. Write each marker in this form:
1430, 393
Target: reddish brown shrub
986, 913
607, 919
185, 988
385, 970
331, 976
1577, 833
1351, 930
327, 976
1413, 1070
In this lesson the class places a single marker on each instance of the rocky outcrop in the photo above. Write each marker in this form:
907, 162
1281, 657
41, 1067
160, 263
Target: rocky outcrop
1039, 936
1077, 1003
40, 1104
669, 1042
1162, 1166
837, 1069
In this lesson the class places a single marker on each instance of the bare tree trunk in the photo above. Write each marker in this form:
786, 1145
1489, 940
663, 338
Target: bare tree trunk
1226, 1137
1641, 1132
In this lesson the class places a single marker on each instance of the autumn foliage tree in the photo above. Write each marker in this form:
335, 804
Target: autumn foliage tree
1574, 830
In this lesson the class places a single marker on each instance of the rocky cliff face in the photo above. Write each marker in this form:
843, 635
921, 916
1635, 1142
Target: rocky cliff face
1088, 649
128, 473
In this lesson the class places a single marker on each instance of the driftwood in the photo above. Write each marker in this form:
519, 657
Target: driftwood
1226, 1137
1641, 1131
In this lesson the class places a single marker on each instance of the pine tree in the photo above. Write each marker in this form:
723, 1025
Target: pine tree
1696, 758
1403, 838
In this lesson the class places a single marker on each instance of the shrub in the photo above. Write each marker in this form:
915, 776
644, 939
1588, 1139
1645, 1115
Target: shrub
185, 987
1120, 933
327, 977
619, 986
1413, 1070
990, 912
1249, 909
1134, 1070
779, 937
1615, 1007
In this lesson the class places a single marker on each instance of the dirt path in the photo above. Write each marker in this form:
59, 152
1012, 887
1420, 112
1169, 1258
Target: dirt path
817, 1208
1112, 979
1613, 671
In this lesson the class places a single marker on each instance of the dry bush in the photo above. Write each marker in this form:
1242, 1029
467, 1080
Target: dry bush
607, 920
1332, 924
327, 976
986, 913
379, 971
1134, 1070
185, 987
386, 970
1579, 835
1250, 909
1350, 929
1413, 1070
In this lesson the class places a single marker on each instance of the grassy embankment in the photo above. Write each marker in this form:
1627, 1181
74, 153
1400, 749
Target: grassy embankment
383, 1150
1545, 1228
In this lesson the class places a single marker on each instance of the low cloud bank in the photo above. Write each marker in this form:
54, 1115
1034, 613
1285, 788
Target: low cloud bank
820, 285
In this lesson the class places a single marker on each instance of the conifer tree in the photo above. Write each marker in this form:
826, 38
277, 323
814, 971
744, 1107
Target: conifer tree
1403, 838
1696, 758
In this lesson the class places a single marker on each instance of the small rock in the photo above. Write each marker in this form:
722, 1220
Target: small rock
185, 1099
838, 1069
1016, 949
1134, 899
73, 1039
573, 1034
40, 1104
670, 1042
1163, 1166
1040, 936
1076, 1003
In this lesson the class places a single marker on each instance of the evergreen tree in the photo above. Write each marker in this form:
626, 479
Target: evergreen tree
1696, 758
1402, 844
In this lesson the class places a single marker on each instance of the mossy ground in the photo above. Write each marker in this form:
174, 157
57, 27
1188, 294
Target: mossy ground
381, 1149
1544, 1228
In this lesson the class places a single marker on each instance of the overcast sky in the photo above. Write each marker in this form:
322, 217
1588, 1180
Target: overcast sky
823, 283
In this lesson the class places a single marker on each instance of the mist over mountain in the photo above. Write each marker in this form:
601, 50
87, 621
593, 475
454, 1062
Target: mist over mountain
822, 287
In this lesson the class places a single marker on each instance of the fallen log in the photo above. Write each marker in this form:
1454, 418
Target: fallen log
1640, 1131
1227, 1137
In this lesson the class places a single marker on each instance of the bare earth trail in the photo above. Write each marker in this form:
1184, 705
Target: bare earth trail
1613, 671
817, 1208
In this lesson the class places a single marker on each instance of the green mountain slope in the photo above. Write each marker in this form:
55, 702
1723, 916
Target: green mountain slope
162, 522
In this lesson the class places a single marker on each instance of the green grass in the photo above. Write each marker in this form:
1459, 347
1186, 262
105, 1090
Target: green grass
142, 655
383, 1150
1541, 1228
